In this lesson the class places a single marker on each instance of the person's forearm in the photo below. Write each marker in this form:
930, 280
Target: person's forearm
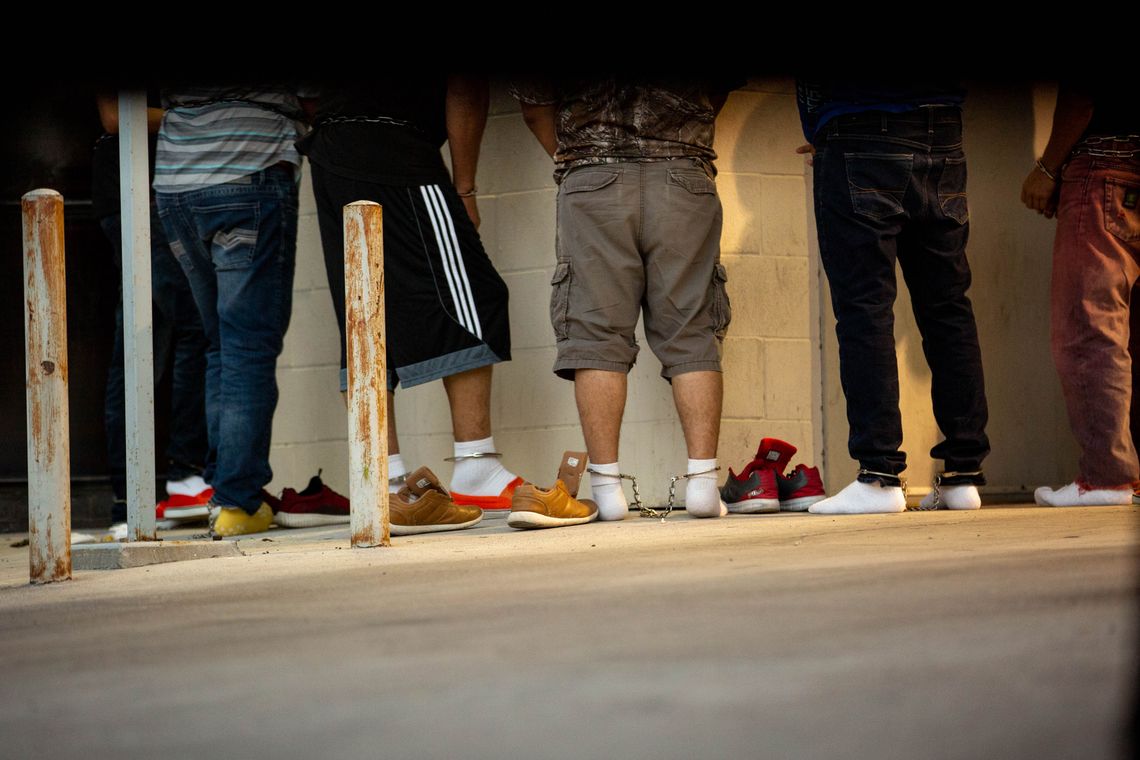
540, 121
468, 99
1070, 119
109, 115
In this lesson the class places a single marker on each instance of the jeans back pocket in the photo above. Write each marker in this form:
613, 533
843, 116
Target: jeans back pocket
952, 189
1121, 216
878, 182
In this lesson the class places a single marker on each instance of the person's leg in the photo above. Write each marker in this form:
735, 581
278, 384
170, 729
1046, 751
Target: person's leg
932, 255
187, 347
252, 231
469, 398
687, 312
114, 412
1094, 270
193, 256
598, 287
860, 187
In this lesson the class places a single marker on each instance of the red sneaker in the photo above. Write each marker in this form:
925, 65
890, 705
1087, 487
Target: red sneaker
179, 507
500, 503
774, 454
316, 505
753, 491
800, 489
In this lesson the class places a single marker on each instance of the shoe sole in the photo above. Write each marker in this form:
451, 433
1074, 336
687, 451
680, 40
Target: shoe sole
801, 504
409, 530
531, 520
308, 520
754, 506
186, 513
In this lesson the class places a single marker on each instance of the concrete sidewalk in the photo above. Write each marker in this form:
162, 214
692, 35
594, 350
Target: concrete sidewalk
1004, 633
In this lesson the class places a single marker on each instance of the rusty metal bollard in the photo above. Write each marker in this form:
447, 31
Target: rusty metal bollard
367, 374
45, 329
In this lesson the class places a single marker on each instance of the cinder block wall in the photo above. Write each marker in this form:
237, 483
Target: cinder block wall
769, 377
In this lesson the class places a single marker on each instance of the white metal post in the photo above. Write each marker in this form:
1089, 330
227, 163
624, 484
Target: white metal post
49, 440
138, 331
367, 374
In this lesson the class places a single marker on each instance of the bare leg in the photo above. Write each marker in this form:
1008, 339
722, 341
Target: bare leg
601, 403
698, 396
469, 395
393, 440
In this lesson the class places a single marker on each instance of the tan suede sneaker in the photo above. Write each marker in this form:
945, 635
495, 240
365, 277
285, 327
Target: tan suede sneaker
534, 507
425, 506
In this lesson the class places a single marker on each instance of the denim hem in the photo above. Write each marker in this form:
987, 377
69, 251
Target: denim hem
447, 365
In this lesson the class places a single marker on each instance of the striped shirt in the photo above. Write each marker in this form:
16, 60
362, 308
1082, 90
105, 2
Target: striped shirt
215, 135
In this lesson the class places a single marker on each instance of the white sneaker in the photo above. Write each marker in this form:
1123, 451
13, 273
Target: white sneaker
861, 499
1075, 495
953, 497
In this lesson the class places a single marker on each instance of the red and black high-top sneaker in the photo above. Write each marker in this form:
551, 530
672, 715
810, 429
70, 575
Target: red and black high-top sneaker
801, 488
753, 491
774, 454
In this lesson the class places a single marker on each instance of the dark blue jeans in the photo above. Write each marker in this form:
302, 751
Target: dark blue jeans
237, 243
893, 187
179, 348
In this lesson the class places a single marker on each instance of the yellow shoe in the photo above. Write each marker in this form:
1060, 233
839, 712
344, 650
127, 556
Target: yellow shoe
235, 521
534, 507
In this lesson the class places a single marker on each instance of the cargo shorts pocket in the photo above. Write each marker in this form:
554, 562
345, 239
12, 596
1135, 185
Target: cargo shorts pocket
877, 182
1121, 213
560, 300
721, 306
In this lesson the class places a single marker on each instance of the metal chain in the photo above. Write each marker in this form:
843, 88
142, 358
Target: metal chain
1085, 146
642, 510
673, 489
474, 455
937, 502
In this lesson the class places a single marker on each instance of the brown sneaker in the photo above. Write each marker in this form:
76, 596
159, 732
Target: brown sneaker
534, 507
424, 506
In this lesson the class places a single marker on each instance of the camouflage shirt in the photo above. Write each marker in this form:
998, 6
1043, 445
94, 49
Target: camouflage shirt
622, 119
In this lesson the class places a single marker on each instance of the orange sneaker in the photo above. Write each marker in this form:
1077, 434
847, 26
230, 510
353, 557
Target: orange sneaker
534, 507
500, 503
424, 506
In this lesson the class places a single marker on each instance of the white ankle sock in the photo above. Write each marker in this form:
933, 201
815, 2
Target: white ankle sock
191, 486
484, 476
607, 491
862, 498
1076, 495
702, 497
963, 496
396, 469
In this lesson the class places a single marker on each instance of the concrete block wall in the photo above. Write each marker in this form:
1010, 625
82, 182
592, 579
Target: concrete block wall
769, 379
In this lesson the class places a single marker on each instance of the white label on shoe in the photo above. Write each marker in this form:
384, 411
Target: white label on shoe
572, 461
422, 483
772, 456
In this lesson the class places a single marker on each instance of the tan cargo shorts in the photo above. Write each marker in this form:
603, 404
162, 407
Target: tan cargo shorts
639, 238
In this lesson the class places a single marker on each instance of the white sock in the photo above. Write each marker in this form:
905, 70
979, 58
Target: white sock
702, 497
607, 491
191, 486
396, 469
483, 476
862, 498
1076, 495
963, 496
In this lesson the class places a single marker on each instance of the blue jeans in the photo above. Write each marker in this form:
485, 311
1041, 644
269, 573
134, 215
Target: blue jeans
237, 243
179, 349
893, 187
